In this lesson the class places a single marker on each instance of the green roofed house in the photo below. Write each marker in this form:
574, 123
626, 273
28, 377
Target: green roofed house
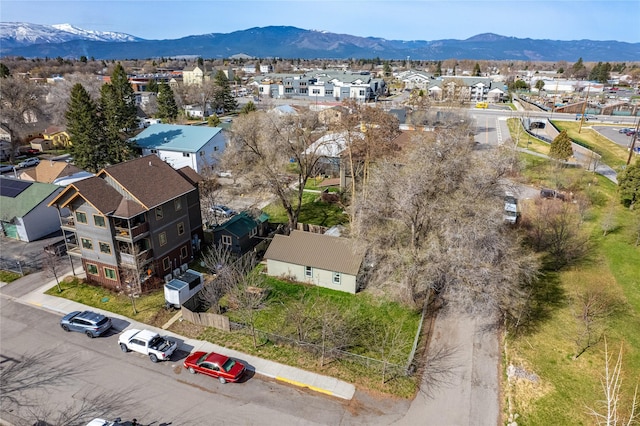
318, 259
241, 233
24, 211
197, 147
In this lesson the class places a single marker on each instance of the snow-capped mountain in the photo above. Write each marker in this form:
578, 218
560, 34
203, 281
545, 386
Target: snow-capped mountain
18, 34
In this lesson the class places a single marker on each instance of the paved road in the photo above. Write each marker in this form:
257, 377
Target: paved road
162, 393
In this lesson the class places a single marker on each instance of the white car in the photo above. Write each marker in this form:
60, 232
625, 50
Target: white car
33, 161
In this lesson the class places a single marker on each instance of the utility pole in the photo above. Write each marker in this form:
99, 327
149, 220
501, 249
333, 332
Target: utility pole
633, 142
584, 108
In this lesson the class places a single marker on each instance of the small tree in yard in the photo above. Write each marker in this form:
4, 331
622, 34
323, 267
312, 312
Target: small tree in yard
247, 297
390, 342
561, 147
629, 185
52, 266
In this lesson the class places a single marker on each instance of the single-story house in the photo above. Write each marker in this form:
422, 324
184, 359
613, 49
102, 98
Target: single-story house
49, 171
25, 214
197, 147
241, 233
318, 259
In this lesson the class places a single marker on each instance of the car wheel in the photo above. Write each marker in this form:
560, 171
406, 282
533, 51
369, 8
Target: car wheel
191, 370
153, 358
65, 328
222, 380
89, 334
124, 347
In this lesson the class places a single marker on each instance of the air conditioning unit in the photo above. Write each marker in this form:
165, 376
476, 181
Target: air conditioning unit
168, 278
184, 267
176, 273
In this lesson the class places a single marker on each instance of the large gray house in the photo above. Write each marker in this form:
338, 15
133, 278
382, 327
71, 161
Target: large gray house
140, 215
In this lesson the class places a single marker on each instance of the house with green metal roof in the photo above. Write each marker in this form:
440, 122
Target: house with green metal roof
241, 233
198, 147
24, 211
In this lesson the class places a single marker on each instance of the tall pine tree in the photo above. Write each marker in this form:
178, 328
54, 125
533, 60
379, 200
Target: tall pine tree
167, 108
223, 99
86, 130
118, 108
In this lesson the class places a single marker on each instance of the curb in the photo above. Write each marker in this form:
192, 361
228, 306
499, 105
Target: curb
313, 388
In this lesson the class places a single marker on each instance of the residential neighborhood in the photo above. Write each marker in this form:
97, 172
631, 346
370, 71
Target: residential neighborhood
392, 235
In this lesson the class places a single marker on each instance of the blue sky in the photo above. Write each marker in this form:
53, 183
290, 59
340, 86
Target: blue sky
390, 19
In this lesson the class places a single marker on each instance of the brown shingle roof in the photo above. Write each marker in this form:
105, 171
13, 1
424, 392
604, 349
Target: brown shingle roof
316, 250
149, 180
191, 175
98, 193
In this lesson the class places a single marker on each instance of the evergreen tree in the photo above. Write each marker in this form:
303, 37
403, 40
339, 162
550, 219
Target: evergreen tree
223, 99
119, 111
85, 129
539, 85
438, 69
561, 147
629, 185
248, 107
4, 71
213, 120
152, 86
167, 107
476, 70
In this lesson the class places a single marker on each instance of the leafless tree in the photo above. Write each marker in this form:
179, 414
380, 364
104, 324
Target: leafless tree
132, 273
52, 266
434, 220
226, 268
338, 329
21, 109
268, 149
247, 297
609, 220
59, 93
610, 410
593, 308
553, 226
390, 343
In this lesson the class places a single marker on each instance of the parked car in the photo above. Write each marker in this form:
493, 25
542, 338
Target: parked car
147, 342
102, 422
624, 130
33, 161
215, 365
6, 168
32, 151
225, 174
90, 323
630, 132
224, 211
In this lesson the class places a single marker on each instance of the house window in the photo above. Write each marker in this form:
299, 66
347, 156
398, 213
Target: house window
183, 252
166, 263
87, 243
162, 238
159, 214
308, 271
81, 217
315, 91
104, 247
180, 228
92, 269
215, 148
336, 277
185, 154
201, 153
226, 240
178, 204
329, 92
99, 221
154, 151
110, 273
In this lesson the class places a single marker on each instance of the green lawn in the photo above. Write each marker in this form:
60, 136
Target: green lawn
567, 386
314, 212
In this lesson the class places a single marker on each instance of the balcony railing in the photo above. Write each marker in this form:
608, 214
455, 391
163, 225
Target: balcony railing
133, 232
127, 259
68, 222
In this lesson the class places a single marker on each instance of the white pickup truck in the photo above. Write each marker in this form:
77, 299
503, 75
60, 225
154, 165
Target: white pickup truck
147, 342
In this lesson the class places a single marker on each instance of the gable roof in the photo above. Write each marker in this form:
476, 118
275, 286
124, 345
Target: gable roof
238, 226
49, 171
149, 180
29, 196
174, 137
331, 144
316, 250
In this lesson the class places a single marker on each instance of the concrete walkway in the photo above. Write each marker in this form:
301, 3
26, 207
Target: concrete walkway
284, 373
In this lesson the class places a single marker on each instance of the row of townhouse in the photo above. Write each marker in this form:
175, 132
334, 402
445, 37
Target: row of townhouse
462, 88
321, 86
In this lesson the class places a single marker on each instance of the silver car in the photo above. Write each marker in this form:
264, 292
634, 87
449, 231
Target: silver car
90, 323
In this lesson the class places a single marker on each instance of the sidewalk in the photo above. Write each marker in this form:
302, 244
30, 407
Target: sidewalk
284, 373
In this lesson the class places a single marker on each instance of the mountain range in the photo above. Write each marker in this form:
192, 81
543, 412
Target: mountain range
66, 41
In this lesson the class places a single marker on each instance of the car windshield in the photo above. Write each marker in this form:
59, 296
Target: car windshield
202, 358
228, 365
